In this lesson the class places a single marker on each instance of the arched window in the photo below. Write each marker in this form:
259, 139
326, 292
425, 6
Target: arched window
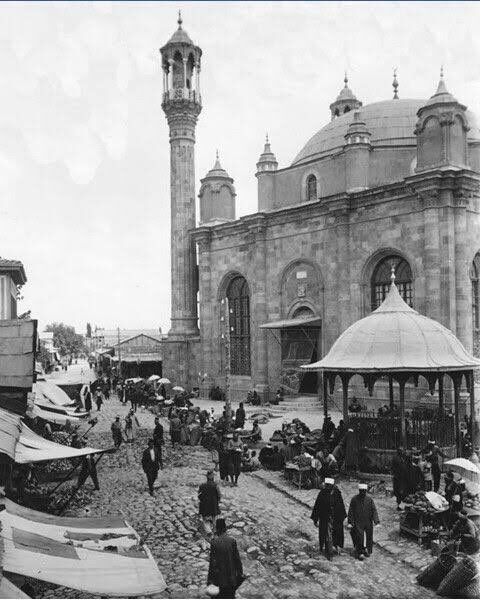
346, 109
336, 113
381, 280
238, 296
475, 279
311, 188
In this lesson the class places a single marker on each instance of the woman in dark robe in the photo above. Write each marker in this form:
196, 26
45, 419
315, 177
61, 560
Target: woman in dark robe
329, 513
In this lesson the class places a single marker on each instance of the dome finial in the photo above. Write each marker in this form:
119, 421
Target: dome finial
217, 153
441, 89
441, 72
395, 84
179, 21
345, 80
266, 138
392, 276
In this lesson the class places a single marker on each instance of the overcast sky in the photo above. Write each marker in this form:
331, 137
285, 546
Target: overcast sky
84, 152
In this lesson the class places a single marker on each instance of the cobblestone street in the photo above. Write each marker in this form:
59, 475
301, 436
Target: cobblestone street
276, 537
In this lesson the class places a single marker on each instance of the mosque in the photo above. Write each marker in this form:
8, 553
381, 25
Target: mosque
389, 184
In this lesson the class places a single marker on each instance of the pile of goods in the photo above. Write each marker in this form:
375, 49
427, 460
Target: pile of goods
303, 460
472, 501
425, 503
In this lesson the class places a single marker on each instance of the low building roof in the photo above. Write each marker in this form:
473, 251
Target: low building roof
16, 270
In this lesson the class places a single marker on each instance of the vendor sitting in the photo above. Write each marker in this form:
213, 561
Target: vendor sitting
256, 434
355, 405
265, 456
251, 462
277, 462
465, 531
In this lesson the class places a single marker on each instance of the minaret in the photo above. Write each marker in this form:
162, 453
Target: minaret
182, 105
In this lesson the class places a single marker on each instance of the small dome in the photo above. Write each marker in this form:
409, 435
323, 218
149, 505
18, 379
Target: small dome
346, 93
180, 36
397, 338
217, 172
442, 95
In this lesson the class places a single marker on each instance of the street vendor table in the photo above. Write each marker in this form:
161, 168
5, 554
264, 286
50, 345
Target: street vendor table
415, 523
296, 474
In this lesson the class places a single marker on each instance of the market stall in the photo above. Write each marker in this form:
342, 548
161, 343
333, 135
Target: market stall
424, 516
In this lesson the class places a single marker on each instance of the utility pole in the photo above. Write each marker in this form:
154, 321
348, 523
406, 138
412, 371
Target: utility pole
119, 353
226, 339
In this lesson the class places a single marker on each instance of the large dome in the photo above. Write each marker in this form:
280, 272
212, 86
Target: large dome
396, 338
391, 122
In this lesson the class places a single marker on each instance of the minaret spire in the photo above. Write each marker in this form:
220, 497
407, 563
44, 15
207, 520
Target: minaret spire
395, 84
180, 20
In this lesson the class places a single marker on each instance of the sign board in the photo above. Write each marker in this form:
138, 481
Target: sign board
18, 340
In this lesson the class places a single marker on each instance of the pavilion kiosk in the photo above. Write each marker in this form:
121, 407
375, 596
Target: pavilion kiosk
398, 343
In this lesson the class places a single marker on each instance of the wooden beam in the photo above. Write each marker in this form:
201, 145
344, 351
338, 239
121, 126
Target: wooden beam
325, 395
401, 383
440, 393
473, 416
345, 377
457, 382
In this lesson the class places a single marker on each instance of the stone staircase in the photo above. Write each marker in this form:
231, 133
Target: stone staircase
298, 404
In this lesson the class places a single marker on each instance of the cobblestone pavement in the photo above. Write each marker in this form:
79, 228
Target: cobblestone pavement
276, 537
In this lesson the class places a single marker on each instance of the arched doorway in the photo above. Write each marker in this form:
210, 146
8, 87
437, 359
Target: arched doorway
299, 347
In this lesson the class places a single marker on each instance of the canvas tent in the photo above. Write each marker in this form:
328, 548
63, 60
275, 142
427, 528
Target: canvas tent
23, 445
46, 390
103, 556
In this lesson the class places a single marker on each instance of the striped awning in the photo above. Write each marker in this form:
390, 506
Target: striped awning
104, 556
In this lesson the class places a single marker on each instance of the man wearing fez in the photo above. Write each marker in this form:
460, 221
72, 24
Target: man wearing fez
328, 514
362, 516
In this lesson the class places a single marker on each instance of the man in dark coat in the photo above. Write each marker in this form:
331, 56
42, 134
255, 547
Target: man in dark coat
158, 440
240, 417
362, 515
432, 452
328, 428
88, 468
398, 468
209, 499
116, 429
150, 465
225, 569
265, 456
88, 400
329, 513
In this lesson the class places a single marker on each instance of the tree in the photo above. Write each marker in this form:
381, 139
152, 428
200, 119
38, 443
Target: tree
65, 338
89, 331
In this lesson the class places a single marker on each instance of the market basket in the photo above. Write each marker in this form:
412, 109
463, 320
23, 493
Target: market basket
434, 574
458, 578
471, 590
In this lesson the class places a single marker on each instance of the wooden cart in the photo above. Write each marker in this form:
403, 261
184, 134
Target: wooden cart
413, 523
296, 474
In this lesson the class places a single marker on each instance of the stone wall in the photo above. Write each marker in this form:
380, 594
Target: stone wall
432, 220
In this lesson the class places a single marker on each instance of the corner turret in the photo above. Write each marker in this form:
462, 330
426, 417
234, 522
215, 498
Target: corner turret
266, 166
217, 196
441, 131
345, 102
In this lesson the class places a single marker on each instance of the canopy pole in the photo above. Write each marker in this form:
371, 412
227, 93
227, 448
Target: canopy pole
401, 383
457, 381
325, 395
390, 390
345, 377
440, 393
473, 416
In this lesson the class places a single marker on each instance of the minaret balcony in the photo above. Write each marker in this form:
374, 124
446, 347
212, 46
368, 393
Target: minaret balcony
182, 94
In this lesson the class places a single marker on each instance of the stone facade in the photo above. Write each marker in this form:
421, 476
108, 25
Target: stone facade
382, 188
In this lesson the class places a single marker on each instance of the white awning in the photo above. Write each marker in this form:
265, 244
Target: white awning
52, 392
290, 323
73, 552
23, 445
